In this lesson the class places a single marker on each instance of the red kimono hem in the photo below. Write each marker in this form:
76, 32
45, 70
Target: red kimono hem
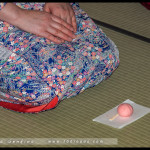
30, 109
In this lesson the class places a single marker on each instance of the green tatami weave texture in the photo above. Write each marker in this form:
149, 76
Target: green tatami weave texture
132, 17
72, 118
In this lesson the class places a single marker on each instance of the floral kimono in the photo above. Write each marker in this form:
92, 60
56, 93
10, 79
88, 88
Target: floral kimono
36, 74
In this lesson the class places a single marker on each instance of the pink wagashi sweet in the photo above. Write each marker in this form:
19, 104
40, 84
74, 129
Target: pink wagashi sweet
124, 110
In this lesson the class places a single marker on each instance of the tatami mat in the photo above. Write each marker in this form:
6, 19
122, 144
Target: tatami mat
72, 118
132, 17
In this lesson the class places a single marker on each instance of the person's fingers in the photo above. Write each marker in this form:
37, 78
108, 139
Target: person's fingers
69, 20
74, 24
61, 21
58, 33
45, 8
52, 38
73, 20
63, 30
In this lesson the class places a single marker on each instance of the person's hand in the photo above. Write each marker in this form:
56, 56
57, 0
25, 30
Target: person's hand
62, 10
46, 25
40, 23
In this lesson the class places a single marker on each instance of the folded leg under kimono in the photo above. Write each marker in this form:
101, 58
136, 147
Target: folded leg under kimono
36, 74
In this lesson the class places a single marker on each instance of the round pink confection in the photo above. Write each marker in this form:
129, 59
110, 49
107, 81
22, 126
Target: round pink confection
125, 110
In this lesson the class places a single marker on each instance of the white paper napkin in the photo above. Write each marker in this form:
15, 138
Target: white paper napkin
120, 122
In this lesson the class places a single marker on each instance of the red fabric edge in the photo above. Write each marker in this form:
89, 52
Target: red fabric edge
146, 4
28, 108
